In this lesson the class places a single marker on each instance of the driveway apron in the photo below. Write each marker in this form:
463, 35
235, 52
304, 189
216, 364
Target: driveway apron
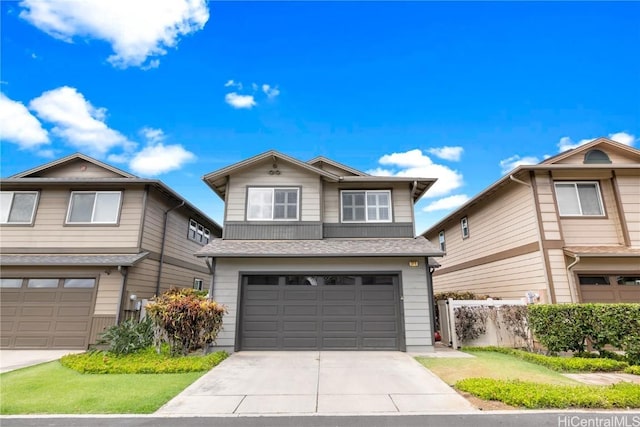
317, 382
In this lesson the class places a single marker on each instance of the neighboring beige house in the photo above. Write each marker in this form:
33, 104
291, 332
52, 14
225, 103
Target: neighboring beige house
317, 255
567, 229
82, 243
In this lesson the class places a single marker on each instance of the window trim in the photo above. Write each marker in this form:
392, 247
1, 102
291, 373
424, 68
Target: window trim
442, 241
273, 204
201, 234
33, 210
464, 225
603, 213
201, 281
117, 218
366, 207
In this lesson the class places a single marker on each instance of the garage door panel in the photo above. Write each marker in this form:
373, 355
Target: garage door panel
8, 312
5, 341
298, 343
378, 310
259, 295
339, 310
9, 296
297, 325
68, 342
298, 295
7, 325
339, 343
74, 311
301, 310
70, 326
39, 311
40, 296
338, 294
34, 326
389, 326
261, 326
26, 341
379, 342
377, 295
345, 326
83, 296
253, 343
630, 295
261, 310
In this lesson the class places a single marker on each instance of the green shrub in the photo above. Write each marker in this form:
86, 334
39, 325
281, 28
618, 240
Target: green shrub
146, 361
185, 319
560, 364
127, 337
535, 395
635, 370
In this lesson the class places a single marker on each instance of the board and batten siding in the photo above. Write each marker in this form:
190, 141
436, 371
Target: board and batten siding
416, 305
506, 222
49, 229
508, 278
258, 175
629, 189
402, 208
177, 244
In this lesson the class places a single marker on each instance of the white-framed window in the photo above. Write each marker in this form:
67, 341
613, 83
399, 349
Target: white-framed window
272, 204
366, 206
17, 207
94, 207
198, 232
198, 284
443, 246
464, 225
579, 198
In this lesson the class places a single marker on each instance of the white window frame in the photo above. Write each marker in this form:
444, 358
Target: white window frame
198, 233
273, 203
93, 212
442, 241
198, 284
575, 186
464, 225
33, 209
366, 206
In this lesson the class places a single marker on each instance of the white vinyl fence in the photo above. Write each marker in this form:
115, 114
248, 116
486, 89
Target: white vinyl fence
498, 331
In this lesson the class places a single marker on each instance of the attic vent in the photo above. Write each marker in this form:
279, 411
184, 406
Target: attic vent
596, 156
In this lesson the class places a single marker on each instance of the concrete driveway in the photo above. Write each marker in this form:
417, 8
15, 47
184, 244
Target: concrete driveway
11, 360
313, 382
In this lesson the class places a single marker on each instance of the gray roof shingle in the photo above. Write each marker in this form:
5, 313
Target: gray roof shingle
418, 246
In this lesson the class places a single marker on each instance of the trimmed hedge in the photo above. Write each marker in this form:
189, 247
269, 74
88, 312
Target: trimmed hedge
560, 364
568, 327
635, 370
536, 395
147, 361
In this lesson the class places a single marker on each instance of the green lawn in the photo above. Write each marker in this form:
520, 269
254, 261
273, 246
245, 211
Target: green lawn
51, 388
492, 365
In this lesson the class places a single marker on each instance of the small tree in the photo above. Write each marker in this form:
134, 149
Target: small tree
186, 319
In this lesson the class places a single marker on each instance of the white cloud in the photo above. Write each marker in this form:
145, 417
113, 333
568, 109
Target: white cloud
416, 164
77, 122
566, 143
447, 153
19, 126
447, 203
152, 135
240, 101
270, 91
514, 161
137, 30
158, 158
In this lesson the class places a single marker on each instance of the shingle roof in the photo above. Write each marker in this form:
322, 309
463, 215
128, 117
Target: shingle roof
603, 251
418, 246
125, 260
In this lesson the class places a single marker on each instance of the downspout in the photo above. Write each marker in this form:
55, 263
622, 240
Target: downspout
164, 238
432, 307
124, 272
570, 277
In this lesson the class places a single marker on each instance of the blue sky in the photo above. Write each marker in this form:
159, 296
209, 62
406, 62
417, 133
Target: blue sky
174, 89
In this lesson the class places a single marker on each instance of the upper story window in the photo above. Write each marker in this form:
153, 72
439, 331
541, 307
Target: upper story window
198, 232
17, 207
579, 199
269, 204
366, 206
443, 246
596, 156
464, 225
94, 207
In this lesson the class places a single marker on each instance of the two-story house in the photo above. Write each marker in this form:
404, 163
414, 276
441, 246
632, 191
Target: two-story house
318, 255
567, 229
82, 243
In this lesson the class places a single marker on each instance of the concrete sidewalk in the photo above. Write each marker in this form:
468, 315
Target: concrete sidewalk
11, 360
325, 382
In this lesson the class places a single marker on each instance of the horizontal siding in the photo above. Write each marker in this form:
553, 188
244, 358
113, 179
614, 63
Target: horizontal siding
49, 230
629, 188
601, 230
402, 208
508, 279
108, 296
259, 175
507, 222
416, 300
273, 230
142, 279
78, 169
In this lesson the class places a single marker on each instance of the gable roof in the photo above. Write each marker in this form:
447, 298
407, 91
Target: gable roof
549, 164
321, 159
66, 160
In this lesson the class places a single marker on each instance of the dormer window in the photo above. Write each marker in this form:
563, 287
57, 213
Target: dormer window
596, 157
272, 204
366, 206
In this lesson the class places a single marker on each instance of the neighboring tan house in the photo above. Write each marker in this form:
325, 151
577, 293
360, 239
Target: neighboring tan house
567, 229
317, 255
82, 243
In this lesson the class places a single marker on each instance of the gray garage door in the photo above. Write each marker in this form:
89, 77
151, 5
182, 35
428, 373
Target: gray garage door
46, 313
313, 312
